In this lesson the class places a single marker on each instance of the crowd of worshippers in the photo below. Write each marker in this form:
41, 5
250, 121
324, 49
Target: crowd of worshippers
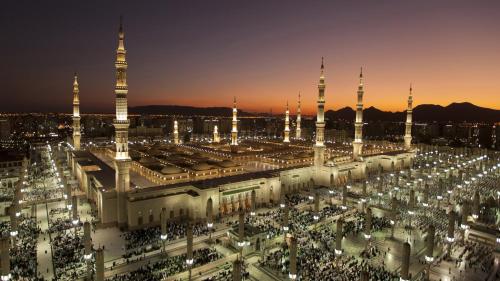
23, 253
227, 275
6, 194
296, 198
39, 194
265, 222
62, 224
68, 254
314, 264
356, 226
270, 221
168, 266
476, 256
138, 240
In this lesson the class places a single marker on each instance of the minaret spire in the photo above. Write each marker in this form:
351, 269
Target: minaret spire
216, 135
121, 123
409, 113
358, 124
176, 132
319, 148
298, 130
234, 129
286, 137
76, 114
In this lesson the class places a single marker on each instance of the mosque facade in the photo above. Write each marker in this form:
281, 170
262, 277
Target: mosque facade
130, 187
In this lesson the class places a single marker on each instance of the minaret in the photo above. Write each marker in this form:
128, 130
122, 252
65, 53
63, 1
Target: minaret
76, 115
234, 130
216, 135
357, 145
176, 132
298, 131
319, 147
409, 112
286, 137
121, 123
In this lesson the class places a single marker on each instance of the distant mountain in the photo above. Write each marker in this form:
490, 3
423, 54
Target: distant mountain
185, 110
455, 112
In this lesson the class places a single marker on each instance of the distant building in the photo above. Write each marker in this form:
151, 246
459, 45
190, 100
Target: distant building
4, 130
11, 164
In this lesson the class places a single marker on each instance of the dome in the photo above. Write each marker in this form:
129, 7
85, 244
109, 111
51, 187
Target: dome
201, 166
304, 154
168, 170
147, 160
227, 164
286, 157
134, 154
155, 152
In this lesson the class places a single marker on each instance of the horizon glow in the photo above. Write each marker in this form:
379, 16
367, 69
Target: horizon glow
262, 52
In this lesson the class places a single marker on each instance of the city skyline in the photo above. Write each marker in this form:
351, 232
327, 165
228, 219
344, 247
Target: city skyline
184, 56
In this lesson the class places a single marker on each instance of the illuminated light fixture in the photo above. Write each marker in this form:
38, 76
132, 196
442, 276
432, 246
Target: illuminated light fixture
75, 222
282, 205
316, 217
6, 277
464, 226
285, 228
13, 233
87, 257
429, 259
338, 252
292, 276
392, 222
425, 204
411, 212
450, 239
475, 216
243, 244
367, 236
163, 237
189, 262
343, 207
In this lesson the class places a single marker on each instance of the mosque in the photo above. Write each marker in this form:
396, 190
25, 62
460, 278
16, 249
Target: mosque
131, 183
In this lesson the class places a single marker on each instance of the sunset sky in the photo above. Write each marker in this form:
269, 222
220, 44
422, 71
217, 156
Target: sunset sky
202, 53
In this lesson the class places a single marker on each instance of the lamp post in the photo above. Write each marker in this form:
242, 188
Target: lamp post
163, 225
5, 258
429, 256
293, 259
189, 248
87, 256
368, 227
